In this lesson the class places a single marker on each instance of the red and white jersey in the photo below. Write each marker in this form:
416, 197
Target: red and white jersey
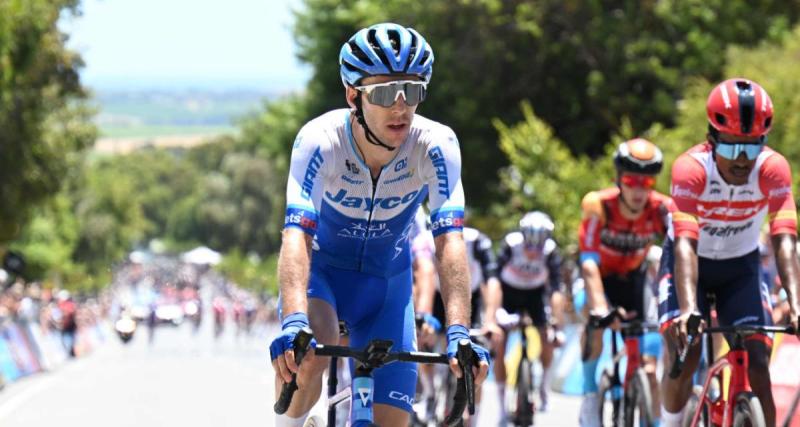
724, 218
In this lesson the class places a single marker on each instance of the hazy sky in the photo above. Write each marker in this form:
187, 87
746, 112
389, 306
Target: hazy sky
187, 43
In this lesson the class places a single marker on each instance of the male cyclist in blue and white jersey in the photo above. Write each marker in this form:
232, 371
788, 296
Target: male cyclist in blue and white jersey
356, 179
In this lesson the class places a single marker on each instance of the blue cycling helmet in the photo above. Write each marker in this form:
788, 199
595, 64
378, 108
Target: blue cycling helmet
384, 49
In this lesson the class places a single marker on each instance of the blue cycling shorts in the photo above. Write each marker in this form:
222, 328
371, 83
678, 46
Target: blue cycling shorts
742, 298
374, 307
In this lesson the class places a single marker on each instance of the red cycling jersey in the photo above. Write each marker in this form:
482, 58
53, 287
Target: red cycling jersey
726, 219
617, 244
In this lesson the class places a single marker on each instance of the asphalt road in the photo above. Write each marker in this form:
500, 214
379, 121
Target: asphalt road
181, 379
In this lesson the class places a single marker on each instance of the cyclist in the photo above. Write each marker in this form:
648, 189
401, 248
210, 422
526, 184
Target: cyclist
530, 271
484, 285
619, 225
723, 188
356, 179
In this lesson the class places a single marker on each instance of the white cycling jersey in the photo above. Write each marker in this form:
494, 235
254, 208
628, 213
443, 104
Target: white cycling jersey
360, 226
527, 268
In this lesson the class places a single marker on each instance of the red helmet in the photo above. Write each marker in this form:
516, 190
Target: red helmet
740, 107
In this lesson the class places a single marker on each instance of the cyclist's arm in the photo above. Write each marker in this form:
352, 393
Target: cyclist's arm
293, 270
424, 284
491, 291
589, 242
788, 269
441, 168
451, 254
688, 181
554, 271
304, 190
686, 273
775, 182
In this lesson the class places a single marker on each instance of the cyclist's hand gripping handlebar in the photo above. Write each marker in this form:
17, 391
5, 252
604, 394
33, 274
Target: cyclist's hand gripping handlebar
465, 387
693, 330
302, 343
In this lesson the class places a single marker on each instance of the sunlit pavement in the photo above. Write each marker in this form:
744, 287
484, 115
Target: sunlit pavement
180, 379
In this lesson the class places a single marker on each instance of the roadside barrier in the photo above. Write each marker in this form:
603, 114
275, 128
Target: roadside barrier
26, 348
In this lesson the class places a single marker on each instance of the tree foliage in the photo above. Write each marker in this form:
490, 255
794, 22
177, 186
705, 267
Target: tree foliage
583, 65
43, 125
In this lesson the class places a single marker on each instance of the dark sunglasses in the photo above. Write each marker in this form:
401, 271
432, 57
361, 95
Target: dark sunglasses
386, 94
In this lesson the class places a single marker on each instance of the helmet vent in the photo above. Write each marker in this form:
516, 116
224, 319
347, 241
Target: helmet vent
743, 85
720, 118
767, 122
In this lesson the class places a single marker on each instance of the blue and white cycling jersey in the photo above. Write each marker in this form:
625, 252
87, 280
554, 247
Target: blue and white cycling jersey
330, 193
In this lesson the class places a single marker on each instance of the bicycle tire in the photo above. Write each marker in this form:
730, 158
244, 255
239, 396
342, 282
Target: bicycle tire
524, 410
638, 402
691, 408
748, 411
608, 405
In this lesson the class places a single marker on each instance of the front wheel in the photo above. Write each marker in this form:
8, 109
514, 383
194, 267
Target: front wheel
524, 412
609, 396
691, 410
638, 402
748, 411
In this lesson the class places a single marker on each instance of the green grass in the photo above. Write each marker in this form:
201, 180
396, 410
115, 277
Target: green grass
150, 131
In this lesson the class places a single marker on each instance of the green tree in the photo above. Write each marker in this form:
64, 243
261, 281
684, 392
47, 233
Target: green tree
583, 65
44, 124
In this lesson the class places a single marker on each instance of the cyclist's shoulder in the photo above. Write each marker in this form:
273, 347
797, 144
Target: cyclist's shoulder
430, 132
772, 161
592, 202
323, 130
513, 239
695, 157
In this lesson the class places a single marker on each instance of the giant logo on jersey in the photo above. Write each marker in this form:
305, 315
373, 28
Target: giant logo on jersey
342, 198
311, 172
440, 165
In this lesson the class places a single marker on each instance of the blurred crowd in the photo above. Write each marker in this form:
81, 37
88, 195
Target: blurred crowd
54, 310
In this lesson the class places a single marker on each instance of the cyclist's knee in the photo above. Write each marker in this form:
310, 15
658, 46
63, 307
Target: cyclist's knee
758, 367
650, 363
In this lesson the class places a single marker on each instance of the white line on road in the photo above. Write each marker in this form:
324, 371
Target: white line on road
18, 400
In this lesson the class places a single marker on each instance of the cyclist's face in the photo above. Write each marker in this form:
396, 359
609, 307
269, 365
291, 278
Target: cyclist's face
637, 191
390, 124
736, 172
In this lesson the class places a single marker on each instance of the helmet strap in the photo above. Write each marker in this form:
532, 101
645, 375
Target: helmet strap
371, 137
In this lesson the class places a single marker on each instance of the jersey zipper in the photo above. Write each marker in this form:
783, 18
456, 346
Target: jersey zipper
374, 184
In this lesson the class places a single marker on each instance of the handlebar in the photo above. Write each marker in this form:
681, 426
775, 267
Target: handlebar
693, 330
302, 343
377, 354
465, 386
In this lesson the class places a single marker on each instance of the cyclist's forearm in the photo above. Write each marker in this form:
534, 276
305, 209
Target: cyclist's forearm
492, 294
451, 254
293, 270
425, 283
788, 267
593, 285
686, 273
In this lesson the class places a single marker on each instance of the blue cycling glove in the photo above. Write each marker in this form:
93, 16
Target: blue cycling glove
456, 333
433, 322
290, 326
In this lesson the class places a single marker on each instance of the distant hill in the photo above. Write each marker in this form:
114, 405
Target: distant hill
158, 113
